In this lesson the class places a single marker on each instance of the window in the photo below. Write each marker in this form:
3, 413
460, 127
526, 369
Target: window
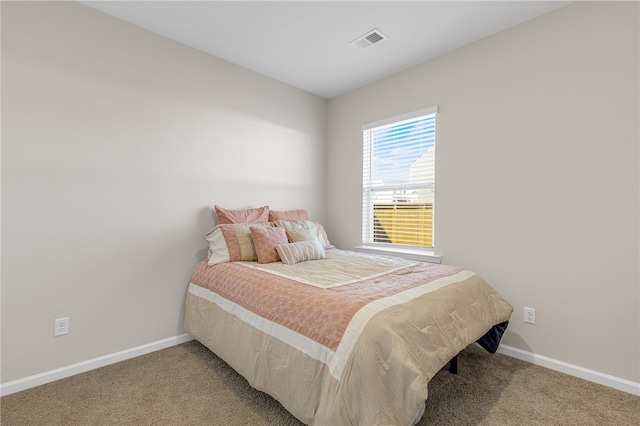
399, 181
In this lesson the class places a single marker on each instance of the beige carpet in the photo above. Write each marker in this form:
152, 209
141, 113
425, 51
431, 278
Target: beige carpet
188, 385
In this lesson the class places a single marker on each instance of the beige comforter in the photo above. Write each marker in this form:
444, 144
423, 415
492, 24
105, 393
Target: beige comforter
350, 339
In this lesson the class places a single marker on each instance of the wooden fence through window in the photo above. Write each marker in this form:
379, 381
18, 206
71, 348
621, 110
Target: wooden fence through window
408, 224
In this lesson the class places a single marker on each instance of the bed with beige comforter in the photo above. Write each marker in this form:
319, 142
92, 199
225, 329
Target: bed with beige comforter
349, 339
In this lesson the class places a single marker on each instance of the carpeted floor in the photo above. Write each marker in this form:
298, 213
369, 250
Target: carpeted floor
188, 385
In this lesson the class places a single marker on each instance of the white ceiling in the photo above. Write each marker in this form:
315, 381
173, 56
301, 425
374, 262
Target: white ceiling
307, 43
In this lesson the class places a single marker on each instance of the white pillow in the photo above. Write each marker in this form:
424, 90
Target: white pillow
303, 230
300, 251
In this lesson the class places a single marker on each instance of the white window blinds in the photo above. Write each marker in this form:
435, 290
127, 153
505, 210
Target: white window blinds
399, 180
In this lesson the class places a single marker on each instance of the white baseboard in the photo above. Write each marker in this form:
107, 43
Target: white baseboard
572, 370
81, 367
92, 364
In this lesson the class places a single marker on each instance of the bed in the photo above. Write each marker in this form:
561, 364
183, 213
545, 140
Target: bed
337, 337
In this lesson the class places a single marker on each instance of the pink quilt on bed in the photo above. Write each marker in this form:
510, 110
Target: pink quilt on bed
364, 333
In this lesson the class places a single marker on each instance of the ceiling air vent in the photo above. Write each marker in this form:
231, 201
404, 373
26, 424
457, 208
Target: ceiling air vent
366, 41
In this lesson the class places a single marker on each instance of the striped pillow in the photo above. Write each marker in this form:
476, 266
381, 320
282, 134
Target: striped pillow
300, 251
232, 243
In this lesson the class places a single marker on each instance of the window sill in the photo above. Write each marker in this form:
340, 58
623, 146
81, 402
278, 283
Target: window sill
422, 256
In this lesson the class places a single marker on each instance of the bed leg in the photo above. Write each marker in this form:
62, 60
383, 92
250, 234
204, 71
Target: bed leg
453, 365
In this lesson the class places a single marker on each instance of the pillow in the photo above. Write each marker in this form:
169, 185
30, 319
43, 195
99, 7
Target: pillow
288, 215
303, 234
232, 243
301, 230
300, 251
325, 238
227, 217
265, 241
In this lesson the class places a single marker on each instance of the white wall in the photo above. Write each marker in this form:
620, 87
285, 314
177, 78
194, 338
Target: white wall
537, 172
116, 143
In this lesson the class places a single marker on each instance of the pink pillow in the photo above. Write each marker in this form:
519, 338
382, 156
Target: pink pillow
288, 215
228, 217
265, 241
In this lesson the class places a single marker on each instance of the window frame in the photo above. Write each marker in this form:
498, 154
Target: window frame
422, 253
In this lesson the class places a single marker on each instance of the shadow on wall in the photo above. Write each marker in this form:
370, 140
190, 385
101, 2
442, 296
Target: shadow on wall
207, 219
516, 341
201, 254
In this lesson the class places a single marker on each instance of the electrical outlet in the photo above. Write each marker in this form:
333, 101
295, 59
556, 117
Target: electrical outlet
530, 315
61, 326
